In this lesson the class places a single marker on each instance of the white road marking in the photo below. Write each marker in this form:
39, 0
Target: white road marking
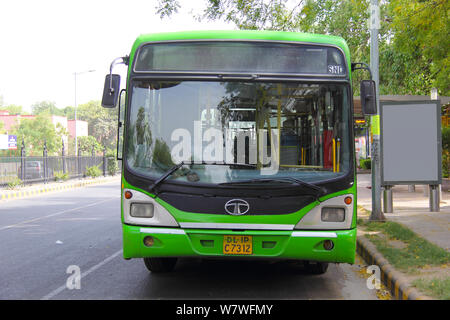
84, 274
56, 214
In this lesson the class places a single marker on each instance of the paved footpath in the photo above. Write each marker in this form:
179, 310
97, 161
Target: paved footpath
412, 209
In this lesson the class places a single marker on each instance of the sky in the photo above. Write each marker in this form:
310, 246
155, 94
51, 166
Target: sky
44, 42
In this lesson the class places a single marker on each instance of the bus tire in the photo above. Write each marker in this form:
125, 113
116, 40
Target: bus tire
159, 265
317, 267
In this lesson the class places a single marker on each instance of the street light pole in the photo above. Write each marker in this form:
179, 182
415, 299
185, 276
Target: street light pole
376, 214
75, 78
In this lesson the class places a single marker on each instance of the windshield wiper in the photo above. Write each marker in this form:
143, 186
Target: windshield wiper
165, 175
182, 163
319, 191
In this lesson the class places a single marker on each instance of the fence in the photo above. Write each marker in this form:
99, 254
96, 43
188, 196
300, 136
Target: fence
43, 169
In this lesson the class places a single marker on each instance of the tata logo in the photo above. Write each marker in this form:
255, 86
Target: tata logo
237, 207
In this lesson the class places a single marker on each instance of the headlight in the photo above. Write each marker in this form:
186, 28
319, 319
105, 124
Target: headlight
142, 210
333, 214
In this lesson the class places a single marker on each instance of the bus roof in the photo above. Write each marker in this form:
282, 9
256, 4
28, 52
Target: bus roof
244, 35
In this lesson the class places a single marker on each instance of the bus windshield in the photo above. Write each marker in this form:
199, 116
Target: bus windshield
282, 129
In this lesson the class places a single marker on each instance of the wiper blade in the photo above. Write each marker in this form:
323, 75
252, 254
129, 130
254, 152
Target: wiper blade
182, 163
165, 176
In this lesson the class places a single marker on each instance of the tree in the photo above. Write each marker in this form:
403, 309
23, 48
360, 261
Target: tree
13, 109
102, 122
413, 40
87, 143
37, 130
46, 107
421, 35
69, 112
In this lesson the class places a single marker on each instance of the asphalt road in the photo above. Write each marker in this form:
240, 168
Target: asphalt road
42, 236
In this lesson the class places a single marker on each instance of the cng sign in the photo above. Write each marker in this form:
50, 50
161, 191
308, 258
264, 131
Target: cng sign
8, 142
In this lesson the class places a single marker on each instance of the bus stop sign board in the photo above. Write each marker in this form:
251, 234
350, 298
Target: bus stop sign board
411, 149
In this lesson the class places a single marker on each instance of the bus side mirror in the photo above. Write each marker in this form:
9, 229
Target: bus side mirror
368, 97
111, 91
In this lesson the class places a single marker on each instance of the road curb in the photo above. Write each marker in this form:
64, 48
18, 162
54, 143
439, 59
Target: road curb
392, 279
10, 195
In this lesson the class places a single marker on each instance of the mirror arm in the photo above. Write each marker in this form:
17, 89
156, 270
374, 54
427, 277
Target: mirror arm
361, 66
120, 60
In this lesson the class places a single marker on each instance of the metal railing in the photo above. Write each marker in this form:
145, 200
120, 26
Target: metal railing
32, 169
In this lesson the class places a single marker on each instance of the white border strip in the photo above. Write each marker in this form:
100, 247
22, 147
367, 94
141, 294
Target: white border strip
245, 226
314, 234
162, 231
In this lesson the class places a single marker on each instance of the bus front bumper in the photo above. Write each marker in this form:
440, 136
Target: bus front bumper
295, 244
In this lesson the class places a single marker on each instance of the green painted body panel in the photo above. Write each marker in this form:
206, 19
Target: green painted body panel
192, 243
266, 244
243, 35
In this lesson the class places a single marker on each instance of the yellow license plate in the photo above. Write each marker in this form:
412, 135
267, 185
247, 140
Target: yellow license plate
237, 245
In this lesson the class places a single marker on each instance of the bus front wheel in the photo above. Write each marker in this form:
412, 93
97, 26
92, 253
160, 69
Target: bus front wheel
316, 267
159, 265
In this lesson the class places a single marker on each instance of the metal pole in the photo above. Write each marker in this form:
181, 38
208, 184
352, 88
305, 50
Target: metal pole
45, 162
22, 161
434, 198
377, 214
76, 142
104, 161
388, 201
63, 151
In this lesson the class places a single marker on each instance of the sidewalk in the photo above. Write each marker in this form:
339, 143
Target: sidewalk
410, 209
39, 188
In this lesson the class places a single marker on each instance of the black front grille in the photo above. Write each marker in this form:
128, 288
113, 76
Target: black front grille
211, 204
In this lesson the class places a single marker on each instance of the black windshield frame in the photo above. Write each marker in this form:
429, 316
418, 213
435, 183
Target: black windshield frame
331, 185
344, 75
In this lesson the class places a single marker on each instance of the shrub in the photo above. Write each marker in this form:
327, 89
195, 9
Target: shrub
365, 164
445, 152
13, 184
112, 165
60, 176
93, 172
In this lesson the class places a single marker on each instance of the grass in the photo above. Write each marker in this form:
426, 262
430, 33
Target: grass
439, 288
417, 253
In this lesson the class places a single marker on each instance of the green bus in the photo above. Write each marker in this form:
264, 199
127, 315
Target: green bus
237, 144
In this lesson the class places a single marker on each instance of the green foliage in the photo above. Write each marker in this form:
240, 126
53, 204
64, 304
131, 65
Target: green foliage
69, 112
87, 143
161, 154
421, 32
35, 131
14, 183
112, 163
445, 152
60, 176
102, 122
13, 109
413, 37
365, 164
47, 108
436, 288
418, 252
93, 172
166, 8
445, 138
